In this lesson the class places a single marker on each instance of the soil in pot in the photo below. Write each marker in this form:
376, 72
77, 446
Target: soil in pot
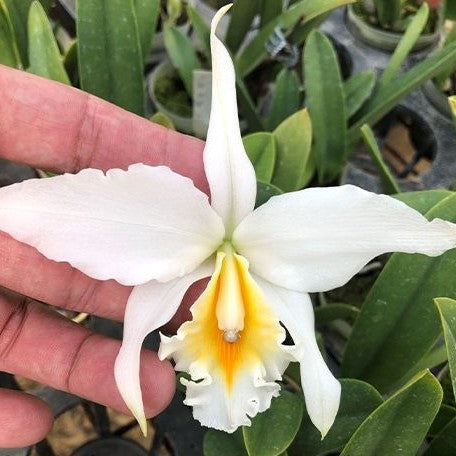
408, 146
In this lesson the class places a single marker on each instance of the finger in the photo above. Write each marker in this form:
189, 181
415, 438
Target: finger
24, 419
41, 345
61, 285
52, 126
29, 273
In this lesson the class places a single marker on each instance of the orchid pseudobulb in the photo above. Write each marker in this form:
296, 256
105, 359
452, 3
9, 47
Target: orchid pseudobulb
151, 228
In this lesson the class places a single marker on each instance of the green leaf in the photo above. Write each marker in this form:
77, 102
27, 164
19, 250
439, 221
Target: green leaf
452, 103
447, 311
18, 11
388, 11
162, 119
202, 30
70, 62
18, 14
247, 107
398, 324
357, 89
388, 96
450, 12
182, 55
445, 414
9, 54
399, 425
405, 45
147, 13
358, 400
331, 312
287, 98
294, 165
261, 149
44, 55
109, 52
441, 78
423, 200
444, 444
272, 431
241, 17
389, 183
253, 54
326, 103
264, 192
433, 358
217, 443
270, 9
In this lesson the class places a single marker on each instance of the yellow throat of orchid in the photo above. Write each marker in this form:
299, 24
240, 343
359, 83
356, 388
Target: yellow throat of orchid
232, 328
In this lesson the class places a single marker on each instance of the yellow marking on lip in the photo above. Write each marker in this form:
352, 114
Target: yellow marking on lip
203, 335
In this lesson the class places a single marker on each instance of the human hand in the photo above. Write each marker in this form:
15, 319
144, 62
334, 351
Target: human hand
58, 128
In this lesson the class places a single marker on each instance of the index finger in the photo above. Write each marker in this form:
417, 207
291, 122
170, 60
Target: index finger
52, 126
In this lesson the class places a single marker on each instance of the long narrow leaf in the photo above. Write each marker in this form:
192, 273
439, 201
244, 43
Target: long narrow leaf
182, 54
286, 99
18, 13
326, 103
9, 54
270, 9
241, 17
147, 13
388, 11
447, 311
389, 183
202, 30
406, 44
357, 89
44, 55
386, 98
109, 52
247, 107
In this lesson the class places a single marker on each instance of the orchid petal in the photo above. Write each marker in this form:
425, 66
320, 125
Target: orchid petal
231, 381
132, 226
321, 389
317, 239
229, 172
149, 306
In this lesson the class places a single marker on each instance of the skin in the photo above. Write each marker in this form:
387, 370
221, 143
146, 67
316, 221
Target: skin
51, 126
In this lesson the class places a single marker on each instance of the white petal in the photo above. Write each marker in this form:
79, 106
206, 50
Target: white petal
150, 306
317, 239
321, 389
229, 172
132, 226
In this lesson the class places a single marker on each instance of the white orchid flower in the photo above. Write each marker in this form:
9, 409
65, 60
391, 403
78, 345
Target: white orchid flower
151, 228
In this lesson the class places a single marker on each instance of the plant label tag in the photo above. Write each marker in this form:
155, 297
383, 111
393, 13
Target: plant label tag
202, 95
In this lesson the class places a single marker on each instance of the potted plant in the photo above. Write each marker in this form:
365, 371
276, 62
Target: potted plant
381, 24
